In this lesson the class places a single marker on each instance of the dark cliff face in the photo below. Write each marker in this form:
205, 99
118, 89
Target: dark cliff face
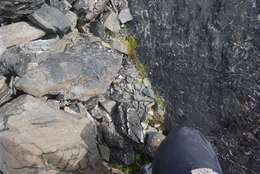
204, 58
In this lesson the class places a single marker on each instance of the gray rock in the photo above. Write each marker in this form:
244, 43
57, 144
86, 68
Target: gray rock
112, 138
62, 5
112, 22
39, 46
14, 62
139, 97
5, 91
14, 10
128, 122
19, 33
53, 104
119, 45
125, 15
153, 141
99, 114
104, 152
89, 9
73, 19
51, 20
82, 72
98, 29
124, 157
2, 47
148, 92
52, 140
108, 105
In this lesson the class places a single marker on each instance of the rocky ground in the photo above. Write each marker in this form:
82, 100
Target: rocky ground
74, 99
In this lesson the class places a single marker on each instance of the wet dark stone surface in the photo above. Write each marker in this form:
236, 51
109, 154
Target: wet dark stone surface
204, 59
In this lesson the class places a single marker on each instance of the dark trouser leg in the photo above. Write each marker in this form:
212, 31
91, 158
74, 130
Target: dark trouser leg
185, 151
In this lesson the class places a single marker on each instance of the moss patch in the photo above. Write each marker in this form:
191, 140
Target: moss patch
139, 161
131, 45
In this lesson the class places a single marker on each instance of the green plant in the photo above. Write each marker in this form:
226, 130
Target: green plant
139, 161
142, 69
131, 45
110, 33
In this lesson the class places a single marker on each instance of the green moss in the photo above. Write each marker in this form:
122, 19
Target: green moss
160, 102
131, 45
142, 69
139, 161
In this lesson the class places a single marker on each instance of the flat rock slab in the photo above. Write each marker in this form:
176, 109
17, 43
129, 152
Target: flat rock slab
80, 73
112, 23
19, 33
36, 138
51, 20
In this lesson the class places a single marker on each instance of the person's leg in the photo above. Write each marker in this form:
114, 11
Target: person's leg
186, 151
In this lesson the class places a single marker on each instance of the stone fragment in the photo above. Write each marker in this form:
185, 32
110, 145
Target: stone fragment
2, 47
153, 141
99, 114
62, 5
98, 29
148, 92
112, 22
51, 20
38, 139
73, 19
128, 122
15, 62
125, 15
119, 45
89, 9
39, 46
112, 138
5, 91
104, 152
108, 105
19, 33
124, 157
82, 72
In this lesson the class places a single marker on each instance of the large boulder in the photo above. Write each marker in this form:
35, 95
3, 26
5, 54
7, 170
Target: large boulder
204, 59
80, 73
36, 138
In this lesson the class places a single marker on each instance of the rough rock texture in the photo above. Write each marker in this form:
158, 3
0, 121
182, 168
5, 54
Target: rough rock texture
5, 91
62, 5
204, 59
19, 33
112, 22
51, 20
2, 47
89, 9
38, 139
125, 15
80, 73
14, 10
